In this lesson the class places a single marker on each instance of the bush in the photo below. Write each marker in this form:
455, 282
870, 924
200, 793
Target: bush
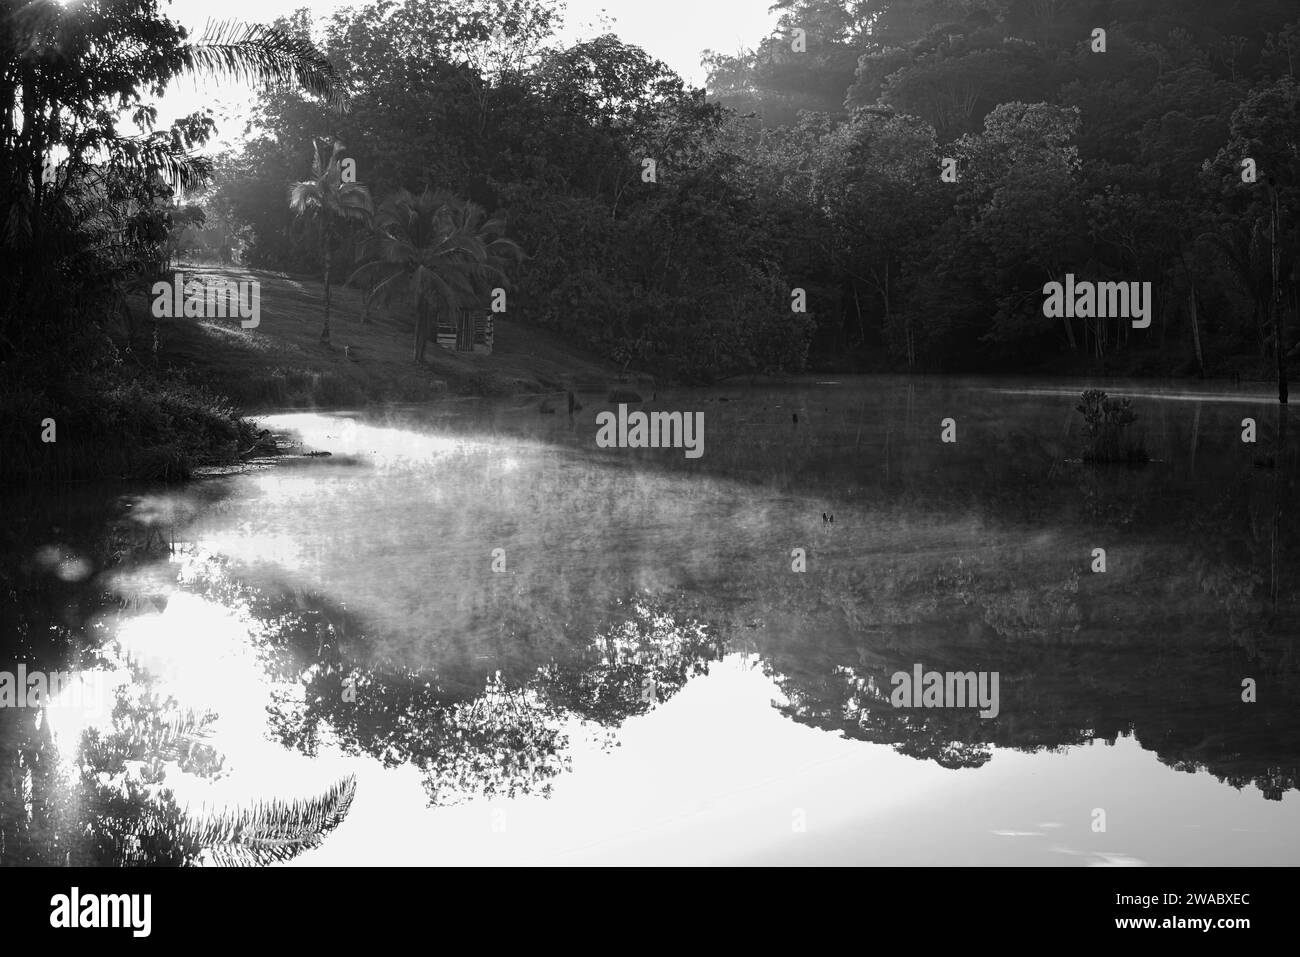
1105, 422
113, 425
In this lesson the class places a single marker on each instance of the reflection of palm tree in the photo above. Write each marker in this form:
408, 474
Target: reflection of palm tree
275, 830
130, 825
114, 813
108, 805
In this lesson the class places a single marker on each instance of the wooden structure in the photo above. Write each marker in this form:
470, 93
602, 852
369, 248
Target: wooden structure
470, 332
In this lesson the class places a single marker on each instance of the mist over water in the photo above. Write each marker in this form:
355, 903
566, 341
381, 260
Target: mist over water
495, 627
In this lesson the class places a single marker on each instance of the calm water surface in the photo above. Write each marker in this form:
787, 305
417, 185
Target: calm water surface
470, 635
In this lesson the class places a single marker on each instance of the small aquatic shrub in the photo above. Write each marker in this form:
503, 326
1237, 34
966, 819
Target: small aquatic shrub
1106, 422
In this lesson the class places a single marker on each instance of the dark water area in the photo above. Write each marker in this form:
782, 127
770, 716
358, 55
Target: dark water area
471, 635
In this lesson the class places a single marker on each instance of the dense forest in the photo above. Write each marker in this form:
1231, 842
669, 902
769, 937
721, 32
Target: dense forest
878, 185
814, 162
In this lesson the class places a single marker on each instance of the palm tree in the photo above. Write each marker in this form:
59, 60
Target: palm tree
68, 70
67, 64
331, 204
437, 250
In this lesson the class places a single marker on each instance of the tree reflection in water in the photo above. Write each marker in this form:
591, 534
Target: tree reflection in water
983, 566
470, 731
110, 806
105, 800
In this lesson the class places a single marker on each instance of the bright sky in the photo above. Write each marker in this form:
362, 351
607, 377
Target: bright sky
675, 31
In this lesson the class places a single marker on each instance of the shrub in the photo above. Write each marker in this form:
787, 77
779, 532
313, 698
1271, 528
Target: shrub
1105, 422
113, 425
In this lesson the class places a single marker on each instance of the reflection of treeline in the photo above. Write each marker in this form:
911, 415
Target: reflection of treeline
987, 564
505, 736
1187, 708
983, 565
471, 729
647, 657
1161, 657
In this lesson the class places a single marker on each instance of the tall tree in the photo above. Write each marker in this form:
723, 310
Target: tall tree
331, 205
69, 181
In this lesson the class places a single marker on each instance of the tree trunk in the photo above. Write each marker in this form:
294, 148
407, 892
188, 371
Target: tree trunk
421, 331
1278, 325
889, 311
857, 305
1279, 315
1279, 473
325, 329
1196, 332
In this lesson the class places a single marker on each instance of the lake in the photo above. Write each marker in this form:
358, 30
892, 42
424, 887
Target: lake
472, 635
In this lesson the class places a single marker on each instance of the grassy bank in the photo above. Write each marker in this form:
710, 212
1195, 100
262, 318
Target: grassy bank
281, 363
116, 423
142, 413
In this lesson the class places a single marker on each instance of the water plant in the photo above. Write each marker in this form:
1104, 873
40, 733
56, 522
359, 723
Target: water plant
1106, 424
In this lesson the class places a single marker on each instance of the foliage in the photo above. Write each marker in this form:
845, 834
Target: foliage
331, 204
1105, 421
89, 216
1148, 140
438, 252
681, 274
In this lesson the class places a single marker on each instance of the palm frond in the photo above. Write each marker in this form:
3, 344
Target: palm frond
304, 196
275, 830
185, 170
353, 201
381, 277
265, 56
